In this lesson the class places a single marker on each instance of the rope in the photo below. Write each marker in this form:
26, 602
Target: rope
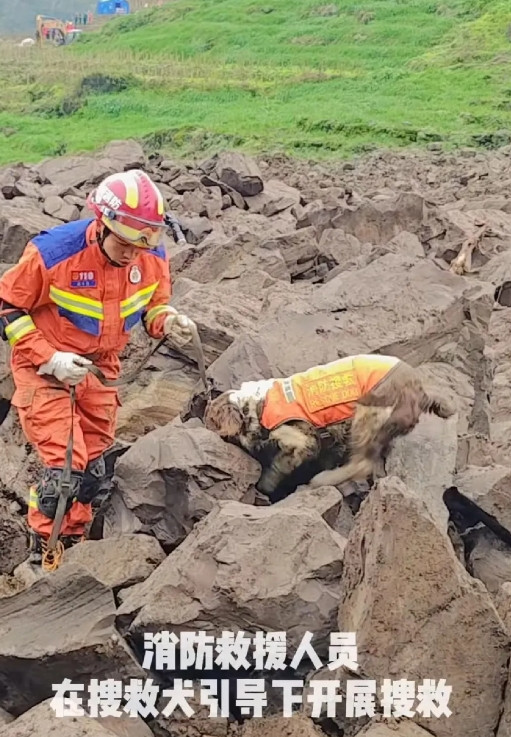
53, 558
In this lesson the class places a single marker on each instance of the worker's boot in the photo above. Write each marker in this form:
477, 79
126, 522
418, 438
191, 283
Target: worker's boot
37, 546
100, 500
69, 541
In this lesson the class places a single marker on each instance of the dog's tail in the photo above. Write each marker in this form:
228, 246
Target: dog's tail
437, 404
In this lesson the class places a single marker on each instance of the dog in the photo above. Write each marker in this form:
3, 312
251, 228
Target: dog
361, 403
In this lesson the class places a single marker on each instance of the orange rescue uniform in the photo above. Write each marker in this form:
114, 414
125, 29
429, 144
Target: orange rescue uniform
76, 301
324, 395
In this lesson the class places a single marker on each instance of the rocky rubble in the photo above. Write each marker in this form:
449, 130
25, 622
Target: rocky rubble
286, 265
300, 593
42, 719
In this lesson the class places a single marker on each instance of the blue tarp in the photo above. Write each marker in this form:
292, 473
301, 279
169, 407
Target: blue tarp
112, 7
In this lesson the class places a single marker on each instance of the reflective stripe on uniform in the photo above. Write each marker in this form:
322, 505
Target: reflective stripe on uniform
32, 500
138, 300
158, 310
289, 392
17, 329
75, 303
85, 313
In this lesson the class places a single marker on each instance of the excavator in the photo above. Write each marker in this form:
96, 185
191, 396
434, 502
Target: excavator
52, 30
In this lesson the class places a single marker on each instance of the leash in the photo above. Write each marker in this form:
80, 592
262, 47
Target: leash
130, 376
52, 555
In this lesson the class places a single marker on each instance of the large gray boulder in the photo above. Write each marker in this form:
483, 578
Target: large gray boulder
63, 626
417, 612
170, 478
272, 568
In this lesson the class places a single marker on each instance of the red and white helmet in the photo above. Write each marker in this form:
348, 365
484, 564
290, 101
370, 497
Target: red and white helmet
131, 206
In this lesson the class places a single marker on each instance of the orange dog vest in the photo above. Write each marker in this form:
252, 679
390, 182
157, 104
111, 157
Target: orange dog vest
324, 395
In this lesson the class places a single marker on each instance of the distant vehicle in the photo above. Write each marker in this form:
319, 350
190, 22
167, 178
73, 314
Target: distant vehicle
73, 34
55, 31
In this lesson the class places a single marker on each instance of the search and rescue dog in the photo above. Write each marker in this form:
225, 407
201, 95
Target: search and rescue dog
361, 403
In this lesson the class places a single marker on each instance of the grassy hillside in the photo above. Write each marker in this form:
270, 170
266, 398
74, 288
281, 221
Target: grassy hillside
303, 76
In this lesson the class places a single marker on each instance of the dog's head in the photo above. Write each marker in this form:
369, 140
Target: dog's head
224, 416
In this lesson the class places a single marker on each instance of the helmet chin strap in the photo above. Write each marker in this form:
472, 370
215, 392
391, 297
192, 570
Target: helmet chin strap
101, 239
110, 260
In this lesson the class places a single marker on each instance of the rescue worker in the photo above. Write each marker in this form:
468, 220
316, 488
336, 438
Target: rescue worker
72, 300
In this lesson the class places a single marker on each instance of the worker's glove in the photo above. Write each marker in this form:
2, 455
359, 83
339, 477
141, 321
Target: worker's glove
66, 367
178, 328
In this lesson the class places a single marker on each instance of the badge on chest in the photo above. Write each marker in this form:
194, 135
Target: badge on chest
135, 275
82, 279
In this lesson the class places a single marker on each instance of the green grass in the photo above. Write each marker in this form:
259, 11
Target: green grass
313, 79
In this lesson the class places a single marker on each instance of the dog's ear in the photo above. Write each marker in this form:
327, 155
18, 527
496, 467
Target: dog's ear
223, 417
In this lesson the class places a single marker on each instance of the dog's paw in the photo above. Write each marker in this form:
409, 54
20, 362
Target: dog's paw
321, 479
265, 485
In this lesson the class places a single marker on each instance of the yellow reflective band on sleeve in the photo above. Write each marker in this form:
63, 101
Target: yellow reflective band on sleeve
158, 310
138, 300
19, 328
75, 303
32, 500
